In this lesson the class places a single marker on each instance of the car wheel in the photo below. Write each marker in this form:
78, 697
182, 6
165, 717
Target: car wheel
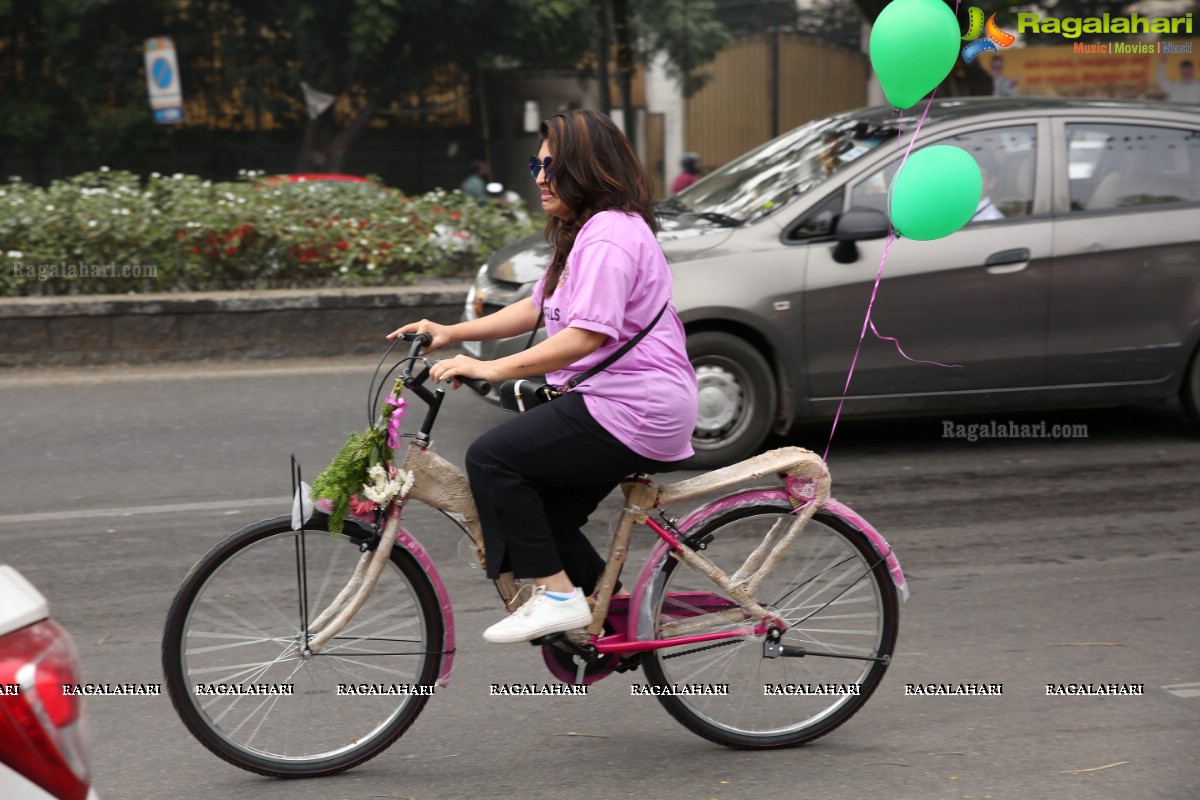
1191, 388
736, 400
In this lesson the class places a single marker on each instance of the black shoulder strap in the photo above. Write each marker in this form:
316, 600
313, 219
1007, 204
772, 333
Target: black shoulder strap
533, 333
625, 348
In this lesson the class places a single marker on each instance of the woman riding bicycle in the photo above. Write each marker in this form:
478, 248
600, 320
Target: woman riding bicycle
538, 476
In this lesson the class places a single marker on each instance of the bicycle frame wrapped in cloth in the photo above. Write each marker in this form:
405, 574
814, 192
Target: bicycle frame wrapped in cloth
521, 395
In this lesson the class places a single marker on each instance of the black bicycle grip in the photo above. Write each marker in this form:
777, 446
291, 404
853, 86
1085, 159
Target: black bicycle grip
480, 387
423, 338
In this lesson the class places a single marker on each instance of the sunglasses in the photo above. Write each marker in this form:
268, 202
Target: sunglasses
536, 166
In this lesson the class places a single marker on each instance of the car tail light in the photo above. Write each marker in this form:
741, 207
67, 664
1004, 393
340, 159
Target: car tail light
43, 729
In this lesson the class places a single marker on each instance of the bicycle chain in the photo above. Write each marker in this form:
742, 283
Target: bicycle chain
707, 646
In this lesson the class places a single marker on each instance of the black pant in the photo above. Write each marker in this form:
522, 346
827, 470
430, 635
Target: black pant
536, 478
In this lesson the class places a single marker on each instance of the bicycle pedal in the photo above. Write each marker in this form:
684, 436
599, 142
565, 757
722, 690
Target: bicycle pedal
561, 638
549, 638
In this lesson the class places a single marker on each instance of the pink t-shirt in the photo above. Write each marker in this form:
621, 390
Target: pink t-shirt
615, 281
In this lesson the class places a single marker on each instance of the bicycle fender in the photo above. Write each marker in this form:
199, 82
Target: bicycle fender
884, 550
649, 584
412, 545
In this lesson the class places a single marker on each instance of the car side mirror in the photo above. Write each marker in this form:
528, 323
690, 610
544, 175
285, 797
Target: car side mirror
858, 224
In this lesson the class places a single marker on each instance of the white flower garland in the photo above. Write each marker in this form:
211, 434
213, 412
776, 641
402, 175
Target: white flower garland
382, 490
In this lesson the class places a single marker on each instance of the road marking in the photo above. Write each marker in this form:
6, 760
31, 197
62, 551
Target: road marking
103, 374
1184, 689
227, 506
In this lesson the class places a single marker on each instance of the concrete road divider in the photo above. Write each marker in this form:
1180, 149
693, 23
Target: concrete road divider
286, 323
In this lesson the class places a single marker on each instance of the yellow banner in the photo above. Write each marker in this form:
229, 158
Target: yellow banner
1138, 70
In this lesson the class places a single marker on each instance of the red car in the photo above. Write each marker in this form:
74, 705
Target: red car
317, 177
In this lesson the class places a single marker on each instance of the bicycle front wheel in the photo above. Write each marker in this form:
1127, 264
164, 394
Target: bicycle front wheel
234, 660
840, 606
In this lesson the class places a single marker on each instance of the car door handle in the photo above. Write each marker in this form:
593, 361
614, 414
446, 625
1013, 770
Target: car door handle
1007, 261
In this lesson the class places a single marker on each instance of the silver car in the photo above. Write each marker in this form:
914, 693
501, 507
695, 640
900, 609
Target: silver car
1079, 286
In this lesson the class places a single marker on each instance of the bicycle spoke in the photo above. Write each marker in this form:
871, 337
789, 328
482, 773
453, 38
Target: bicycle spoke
244, 641
233, 615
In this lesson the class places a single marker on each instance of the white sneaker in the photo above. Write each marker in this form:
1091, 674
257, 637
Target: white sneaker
539, 616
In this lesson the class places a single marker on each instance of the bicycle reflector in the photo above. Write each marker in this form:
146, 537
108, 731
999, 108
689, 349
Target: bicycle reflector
43, 730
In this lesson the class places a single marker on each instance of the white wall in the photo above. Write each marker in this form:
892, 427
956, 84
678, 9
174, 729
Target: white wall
663, 97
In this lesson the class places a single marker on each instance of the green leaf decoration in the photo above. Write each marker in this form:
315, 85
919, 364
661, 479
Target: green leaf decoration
346, 474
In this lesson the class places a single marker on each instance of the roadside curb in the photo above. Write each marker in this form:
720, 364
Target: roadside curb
283, 323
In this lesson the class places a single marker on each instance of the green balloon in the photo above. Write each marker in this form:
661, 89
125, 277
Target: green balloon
935, 193
914, 44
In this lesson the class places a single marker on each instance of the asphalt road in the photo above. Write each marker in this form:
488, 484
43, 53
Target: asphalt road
1031, 561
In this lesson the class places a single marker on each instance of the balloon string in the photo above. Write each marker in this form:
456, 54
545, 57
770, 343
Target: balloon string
875, 288
862, 335
896, 341
908, 150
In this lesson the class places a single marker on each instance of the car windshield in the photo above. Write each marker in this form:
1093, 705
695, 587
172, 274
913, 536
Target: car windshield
767, 177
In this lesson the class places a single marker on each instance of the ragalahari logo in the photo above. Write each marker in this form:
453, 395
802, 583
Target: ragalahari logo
992, 37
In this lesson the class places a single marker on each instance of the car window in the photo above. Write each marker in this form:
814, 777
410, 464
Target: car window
818, 222
1114, 166
1007, 158
1083, 153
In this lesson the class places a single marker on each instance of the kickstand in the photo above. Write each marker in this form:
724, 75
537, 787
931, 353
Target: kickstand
580, 669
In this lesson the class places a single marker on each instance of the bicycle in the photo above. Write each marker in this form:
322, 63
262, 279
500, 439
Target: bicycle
798, 629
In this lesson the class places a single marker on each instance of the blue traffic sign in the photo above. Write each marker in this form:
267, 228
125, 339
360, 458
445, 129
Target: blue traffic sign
161, 72
162, 79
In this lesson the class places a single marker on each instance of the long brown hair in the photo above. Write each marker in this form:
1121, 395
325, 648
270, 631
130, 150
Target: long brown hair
594, 169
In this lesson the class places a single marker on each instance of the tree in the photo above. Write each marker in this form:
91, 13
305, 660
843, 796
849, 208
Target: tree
624, 42
376, 52
73, 80
688, 32
72, 83
602, 26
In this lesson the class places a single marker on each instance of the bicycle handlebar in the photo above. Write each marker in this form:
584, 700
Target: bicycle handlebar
480, 387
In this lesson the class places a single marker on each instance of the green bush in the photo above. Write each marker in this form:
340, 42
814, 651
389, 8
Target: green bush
110, 232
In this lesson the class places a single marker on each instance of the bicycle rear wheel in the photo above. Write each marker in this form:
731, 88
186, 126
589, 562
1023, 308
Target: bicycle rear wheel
238, 621
834, 592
